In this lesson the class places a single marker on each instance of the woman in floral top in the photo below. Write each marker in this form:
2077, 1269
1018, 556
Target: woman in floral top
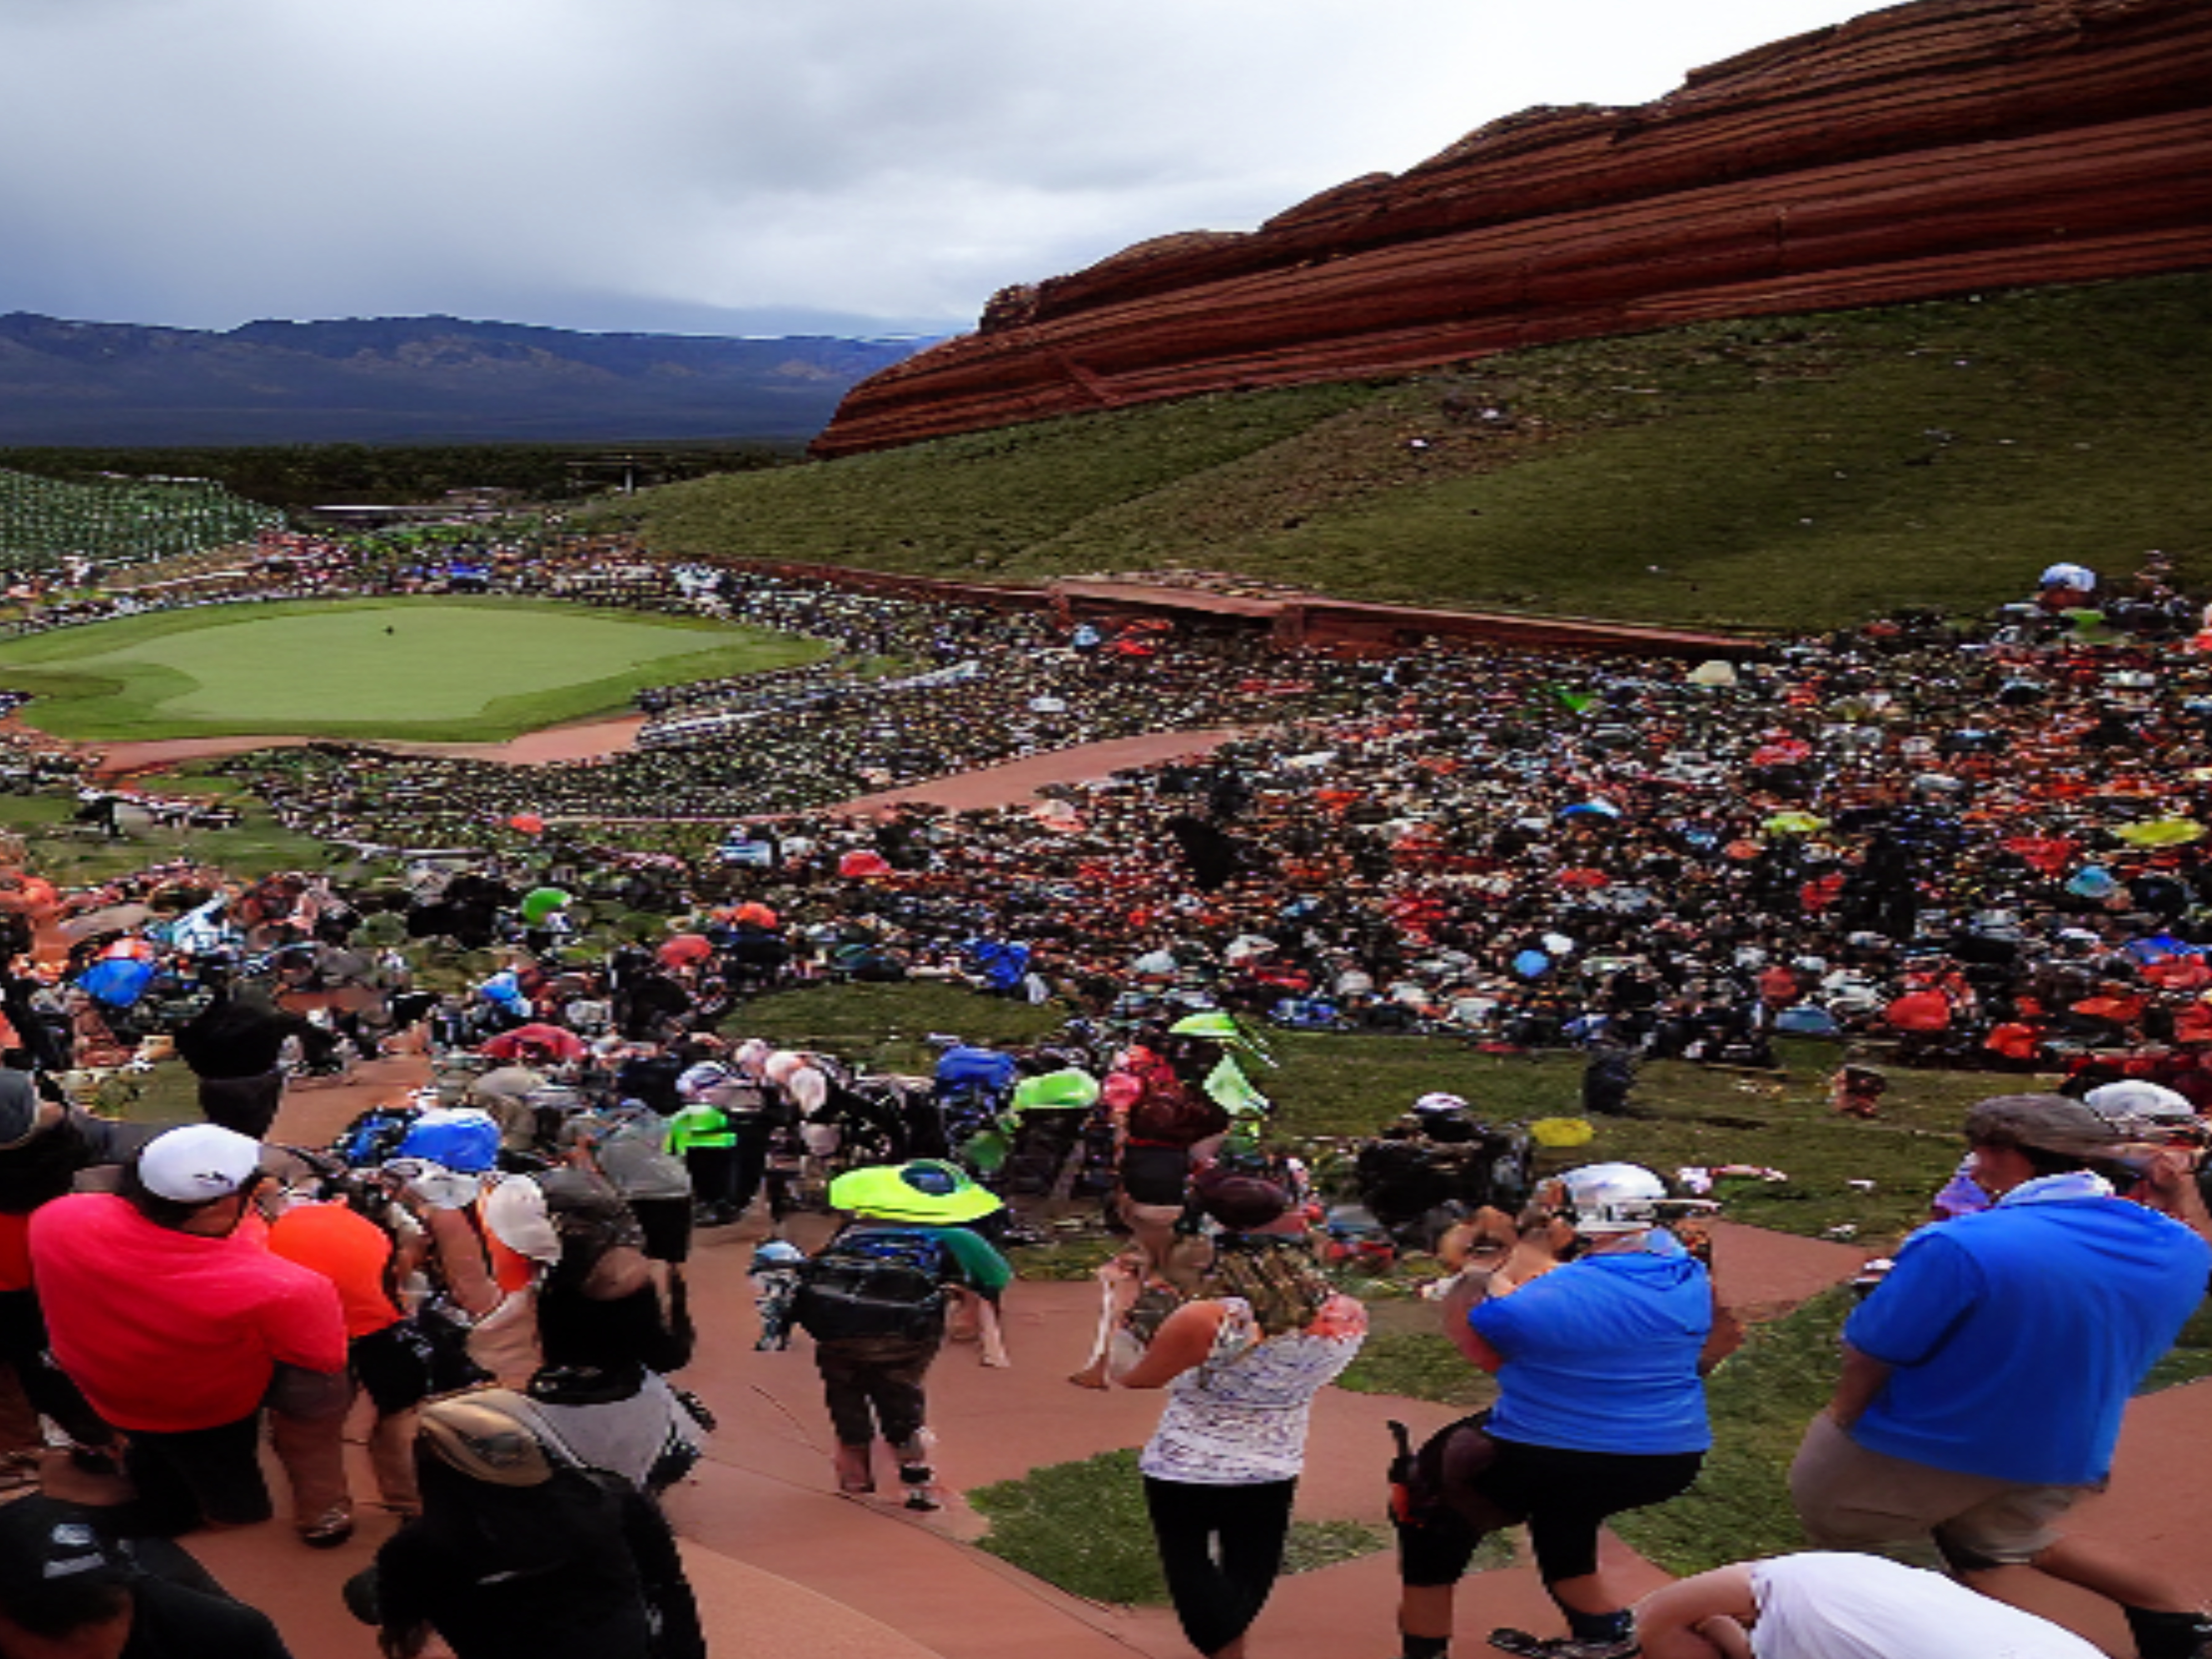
1241, 1365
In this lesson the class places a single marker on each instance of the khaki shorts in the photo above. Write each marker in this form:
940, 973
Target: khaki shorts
1850, 1499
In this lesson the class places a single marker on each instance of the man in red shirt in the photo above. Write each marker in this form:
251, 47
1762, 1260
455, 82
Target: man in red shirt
179, 1326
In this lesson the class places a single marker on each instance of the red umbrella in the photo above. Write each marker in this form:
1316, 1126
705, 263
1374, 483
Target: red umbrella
2120, 1010
863, 864
684, 950
753, 913
1584, 878
529, 823
2180, 974
552, 1041
1919, 1011
2045, 854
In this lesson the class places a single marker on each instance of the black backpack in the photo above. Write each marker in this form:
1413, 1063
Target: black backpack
874, 1283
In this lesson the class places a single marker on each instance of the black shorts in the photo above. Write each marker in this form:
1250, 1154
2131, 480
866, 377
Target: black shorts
1157, 1175
212, 1475
1564, 1496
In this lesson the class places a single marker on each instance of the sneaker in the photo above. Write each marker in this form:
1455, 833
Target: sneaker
327, 1531
1521, 1643
919, 1480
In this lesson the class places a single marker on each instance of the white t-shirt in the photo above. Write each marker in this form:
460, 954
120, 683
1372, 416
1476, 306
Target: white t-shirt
1820, 1606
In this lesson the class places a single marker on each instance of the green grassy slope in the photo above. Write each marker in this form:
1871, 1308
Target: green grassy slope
1786, 471
443, 670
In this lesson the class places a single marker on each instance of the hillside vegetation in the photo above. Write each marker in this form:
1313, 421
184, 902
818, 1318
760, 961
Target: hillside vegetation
128, 519
1772, 472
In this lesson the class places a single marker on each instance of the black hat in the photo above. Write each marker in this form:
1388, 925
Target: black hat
56, 1573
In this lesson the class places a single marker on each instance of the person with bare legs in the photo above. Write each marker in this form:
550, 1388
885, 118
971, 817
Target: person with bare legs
1983, 1379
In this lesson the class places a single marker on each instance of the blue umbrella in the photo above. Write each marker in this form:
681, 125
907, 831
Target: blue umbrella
119, 981
1807, 1019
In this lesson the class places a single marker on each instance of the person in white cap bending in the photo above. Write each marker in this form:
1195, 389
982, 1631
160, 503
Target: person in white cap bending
165, 1306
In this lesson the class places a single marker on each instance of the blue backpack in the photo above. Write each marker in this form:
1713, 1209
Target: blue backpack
966, 1071
873, 1282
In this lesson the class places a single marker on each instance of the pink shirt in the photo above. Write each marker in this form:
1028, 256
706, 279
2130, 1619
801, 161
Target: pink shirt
167, 1331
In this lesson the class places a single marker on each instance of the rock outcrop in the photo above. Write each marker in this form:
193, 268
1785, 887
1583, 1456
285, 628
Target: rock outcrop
1923, 151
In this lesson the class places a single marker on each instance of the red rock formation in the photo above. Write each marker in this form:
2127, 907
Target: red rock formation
1928, 149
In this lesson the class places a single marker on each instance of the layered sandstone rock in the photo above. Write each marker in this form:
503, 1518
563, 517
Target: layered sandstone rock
1924, 150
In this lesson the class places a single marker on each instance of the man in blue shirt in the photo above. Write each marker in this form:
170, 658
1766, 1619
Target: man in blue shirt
1984, 1381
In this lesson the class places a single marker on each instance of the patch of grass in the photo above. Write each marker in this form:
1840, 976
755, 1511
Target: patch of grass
1332, 1088
1314, 1544
72, 855
1418, 1365
2189, 1359
1083, 1528
1072, 1260
987, 504
1760, 1400
1798, 471
882, 1027
430, 669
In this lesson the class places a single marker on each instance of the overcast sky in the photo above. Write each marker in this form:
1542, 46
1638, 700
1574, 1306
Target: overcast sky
734, 166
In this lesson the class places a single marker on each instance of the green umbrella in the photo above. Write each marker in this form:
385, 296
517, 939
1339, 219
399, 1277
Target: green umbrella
1794, 824
1070, 1091
2161, 832
542, 902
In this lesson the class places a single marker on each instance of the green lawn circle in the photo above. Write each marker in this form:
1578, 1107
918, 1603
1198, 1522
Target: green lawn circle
440, 670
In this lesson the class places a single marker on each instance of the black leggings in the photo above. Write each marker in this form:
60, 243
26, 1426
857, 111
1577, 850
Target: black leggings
1220, 1548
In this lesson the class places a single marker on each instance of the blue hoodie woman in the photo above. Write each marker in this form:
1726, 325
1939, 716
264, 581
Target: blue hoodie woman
1601, 1408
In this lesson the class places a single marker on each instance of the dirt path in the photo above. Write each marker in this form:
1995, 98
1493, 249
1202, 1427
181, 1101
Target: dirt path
1016, 781
587, 740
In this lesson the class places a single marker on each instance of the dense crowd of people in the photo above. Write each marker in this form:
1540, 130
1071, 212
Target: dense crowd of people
1991, 851
1969, 845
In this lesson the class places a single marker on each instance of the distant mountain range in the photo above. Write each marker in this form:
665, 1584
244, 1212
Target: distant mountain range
388, 380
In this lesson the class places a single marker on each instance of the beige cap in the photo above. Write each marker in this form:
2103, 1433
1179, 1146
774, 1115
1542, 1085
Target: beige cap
488, 1437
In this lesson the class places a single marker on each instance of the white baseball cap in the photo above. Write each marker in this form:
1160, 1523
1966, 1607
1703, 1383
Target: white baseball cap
198, 1164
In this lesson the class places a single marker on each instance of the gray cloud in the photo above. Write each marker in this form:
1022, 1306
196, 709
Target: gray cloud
665, 163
